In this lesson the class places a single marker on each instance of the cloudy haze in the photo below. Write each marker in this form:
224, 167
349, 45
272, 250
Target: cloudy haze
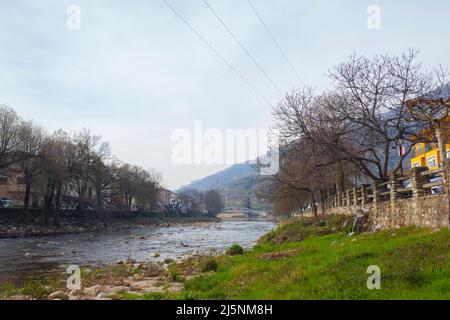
134, 72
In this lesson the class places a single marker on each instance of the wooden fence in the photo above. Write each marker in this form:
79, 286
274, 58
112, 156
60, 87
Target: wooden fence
418, 183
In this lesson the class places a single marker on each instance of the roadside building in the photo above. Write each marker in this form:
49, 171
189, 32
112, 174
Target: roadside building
12, 190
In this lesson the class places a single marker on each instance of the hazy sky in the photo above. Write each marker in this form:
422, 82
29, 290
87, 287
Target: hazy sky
134, 72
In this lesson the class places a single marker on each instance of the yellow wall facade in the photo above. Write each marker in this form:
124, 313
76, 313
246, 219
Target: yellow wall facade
424, 157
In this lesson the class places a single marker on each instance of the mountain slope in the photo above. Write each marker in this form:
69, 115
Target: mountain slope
237, 185
224, 177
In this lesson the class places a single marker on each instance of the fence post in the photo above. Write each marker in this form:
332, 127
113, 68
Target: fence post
376, 192
363, 191
339, 197
349, 199
355, 196
417, 181
394, 185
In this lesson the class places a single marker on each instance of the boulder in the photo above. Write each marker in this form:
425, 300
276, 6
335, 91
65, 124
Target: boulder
58, 295
103, 295
92, 291
75, 292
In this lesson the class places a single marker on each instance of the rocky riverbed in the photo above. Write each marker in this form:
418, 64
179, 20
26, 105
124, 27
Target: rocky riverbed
24, 259
116, 281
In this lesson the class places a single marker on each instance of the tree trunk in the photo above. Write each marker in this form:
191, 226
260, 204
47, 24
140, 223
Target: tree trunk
441, 145
130, 201
314, 206
322, 201
58, 196
26, 200
98, 192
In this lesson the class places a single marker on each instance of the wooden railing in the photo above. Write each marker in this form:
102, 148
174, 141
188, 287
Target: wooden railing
419, 182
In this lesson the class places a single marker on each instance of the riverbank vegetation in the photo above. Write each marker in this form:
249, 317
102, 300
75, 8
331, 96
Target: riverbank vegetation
301, 259
67, 171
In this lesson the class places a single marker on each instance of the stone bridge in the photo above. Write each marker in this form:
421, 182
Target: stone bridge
239, 212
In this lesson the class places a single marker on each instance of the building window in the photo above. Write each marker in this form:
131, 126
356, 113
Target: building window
3, 180
20, 180
432, 162
416, 164
448, 153
418, 149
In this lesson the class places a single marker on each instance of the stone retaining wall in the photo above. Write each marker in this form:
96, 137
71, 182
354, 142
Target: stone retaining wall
428, 211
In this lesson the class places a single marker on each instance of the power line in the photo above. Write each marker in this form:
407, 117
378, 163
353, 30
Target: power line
217, 52
242, 46
275, 41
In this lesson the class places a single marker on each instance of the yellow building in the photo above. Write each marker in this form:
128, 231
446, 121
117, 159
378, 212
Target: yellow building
427, 155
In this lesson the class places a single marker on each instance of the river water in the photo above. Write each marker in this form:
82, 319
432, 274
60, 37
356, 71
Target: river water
24, 258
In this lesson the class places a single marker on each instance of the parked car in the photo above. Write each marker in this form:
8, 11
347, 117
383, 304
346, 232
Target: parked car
5, 203
435, 190
439, 189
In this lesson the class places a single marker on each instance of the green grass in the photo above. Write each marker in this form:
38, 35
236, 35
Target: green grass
303, 261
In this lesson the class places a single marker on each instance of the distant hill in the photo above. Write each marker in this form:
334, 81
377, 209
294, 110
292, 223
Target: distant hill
224, 177
237, 184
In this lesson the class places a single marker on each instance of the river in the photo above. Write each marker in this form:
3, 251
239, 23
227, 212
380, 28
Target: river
25, 258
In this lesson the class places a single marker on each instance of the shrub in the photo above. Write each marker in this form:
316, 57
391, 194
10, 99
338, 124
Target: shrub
174, 276
35, 289
235, 249
209, 264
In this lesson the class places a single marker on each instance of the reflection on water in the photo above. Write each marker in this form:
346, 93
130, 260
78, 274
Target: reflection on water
23, 258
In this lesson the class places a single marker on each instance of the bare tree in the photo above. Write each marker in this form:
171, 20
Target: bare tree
9, 137
32, 140
103, 178
356, 127
313, 135
58, 162
89, 151
213, 202
139, 185
372, 95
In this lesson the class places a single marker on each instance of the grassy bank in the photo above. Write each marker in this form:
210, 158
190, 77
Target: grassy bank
302, 261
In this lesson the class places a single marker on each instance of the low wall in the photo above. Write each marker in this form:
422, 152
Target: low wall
427, 211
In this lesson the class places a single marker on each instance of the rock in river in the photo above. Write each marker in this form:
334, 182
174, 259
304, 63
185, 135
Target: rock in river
58, 295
